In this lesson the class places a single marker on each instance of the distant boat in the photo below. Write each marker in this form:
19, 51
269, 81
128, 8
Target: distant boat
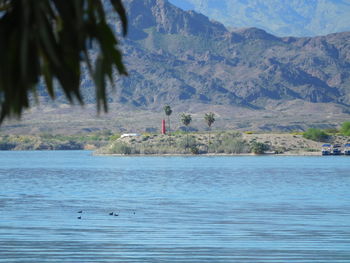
347, 149
326, 149
336, 149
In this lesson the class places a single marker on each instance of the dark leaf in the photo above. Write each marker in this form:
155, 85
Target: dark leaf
122, 14
50, 39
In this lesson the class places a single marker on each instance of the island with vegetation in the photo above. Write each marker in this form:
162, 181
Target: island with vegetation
185, 141
226, 142
222, 143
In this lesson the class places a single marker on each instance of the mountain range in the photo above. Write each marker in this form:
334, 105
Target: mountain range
251, 79
175, 56
282, 18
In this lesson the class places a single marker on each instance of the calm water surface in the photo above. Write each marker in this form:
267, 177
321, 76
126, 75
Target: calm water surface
173, 209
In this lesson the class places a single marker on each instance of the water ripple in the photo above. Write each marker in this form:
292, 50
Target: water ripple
225, 209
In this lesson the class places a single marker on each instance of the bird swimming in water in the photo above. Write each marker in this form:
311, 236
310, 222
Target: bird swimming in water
111, 213
79, 217
81, 211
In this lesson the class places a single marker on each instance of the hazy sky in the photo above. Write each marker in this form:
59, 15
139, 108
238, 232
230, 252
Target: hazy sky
280, 17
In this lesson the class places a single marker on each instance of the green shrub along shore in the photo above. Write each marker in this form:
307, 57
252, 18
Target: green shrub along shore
228, 142
89, 141
220, 143
180, 142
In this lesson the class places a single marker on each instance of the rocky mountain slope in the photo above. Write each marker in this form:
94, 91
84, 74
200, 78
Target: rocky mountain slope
175, 56
282, 18
249, 78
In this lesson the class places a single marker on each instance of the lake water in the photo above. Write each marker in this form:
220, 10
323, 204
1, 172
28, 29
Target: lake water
173, 209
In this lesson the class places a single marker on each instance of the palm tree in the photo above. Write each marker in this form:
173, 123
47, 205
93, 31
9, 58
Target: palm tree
209, 119
186, 120
168, 111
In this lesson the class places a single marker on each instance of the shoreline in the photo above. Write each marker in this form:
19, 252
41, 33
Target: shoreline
155, 145
223, 144
209, 154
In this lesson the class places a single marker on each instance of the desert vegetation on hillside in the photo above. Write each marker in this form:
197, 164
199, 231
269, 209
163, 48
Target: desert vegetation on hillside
316, 135
180, 143
56, 141
227, 142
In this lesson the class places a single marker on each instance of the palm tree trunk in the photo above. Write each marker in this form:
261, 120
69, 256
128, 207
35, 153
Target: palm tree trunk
168, 131
186, 137
209, 140
169, 124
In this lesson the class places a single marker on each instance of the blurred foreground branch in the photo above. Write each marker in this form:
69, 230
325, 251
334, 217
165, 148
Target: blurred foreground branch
50, 39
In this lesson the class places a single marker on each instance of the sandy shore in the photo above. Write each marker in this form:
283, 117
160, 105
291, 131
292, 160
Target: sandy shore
211, 154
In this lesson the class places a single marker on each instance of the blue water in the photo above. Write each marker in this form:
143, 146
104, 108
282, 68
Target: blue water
173, 209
